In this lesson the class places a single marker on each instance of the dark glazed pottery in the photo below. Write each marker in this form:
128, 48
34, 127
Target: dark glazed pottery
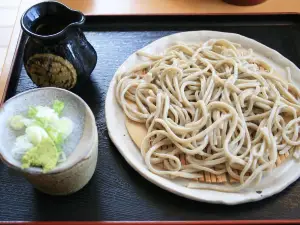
245, 2
56, 52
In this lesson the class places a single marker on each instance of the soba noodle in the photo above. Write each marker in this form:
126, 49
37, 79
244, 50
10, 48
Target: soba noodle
216, 104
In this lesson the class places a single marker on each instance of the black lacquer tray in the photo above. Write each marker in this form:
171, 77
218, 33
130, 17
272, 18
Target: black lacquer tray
117, 192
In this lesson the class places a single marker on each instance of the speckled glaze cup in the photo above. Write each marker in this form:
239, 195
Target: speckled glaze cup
81, 147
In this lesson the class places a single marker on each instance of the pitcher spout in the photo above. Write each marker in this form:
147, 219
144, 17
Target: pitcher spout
48, 20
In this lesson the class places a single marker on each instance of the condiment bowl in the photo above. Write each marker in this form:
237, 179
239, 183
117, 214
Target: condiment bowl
81, 147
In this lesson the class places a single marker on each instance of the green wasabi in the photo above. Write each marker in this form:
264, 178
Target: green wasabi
45, 132
44, 155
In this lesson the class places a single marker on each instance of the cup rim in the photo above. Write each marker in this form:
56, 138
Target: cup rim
83, 156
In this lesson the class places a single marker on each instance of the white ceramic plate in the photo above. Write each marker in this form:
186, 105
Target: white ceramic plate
280, 178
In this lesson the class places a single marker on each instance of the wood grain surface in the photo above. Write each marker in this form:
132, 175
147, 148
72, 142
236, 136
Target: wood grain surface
117, 192
12, 48
130, 7
122, 184
139, 7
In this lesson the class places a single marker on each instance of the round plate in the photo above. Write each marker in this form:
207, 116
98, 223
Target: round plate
276, 181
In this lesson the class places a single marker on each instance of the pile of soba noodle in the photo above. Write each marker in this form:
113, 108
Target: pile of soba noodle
215, 103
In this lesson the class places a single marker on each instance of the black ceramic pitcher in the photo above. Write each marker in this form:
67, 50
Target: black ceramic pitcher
56, 52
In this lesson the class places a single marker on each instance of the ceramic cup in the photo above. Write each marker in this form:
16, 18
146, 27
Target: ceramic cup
81, 147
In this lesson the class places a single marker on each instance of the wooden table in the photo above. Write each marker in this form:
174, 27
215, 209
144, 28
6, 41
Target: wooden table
178, 6
11, 11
